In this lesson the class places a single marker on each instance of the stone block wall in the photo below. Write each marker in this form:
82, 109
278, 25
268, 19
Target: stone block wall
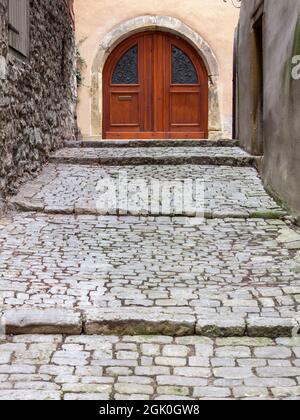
37, 94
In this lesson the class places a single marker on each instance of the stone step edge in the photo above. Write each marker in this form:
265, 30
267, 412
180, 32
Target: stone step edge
233, 161
39, 208
151, 143
130, 322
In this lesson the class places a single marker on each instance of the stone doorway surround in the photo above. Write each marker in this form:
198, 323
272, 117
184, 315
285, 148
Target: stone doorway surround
162, 23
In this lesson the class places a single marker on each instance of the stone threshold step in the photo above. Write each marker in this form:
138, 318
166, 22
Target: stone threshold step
151, 143
80, 210
134, 321
233, 161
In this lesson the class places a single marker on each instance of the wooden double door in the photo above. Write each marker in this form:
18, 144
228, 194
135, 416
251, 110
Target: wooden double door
155, 85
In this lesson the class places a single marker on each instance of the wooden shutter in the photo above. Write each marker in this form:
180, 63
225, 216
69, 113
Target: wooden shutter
19, 26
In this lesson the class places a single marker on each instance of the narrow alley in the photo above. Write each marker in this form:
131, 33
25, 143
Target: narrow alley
149, 202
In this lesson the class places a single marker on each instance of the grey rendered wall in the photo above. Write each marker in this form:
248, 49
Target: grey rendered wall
281, 163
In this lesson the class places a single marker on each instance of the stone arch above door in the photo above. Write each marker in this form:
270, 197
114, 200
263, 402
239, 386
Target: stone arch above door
162, 23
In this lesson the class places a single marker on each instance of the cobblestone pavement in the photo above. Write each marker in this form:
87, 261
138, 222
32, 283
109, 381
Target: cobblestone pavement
232, 267
75, 189
149, 151
148, 367
233, 156
134, 143
195, 283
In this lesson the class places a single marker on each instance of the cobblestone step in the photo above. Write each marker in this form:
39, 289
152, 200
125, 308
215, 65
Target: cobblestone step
228, 156
106, 307
136, 320
55, 367
151, 143
160, 275
81, 189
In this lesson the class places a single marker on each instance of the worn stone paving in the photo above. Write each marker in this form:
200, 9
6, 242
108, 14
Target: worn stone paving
138, 143
108, 283
233, 156
115, 268
148, 368
149, 151
78, 189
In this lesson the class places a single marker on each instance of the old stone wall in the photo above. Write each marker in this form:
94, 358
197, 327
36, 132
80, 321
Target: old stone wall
281, 95
38, 93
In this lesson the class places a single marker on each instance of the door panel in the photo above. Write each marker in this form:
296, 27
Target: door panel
123, 94
187, 91
155, 86
147, 77
184, 109
124, 109
159, 100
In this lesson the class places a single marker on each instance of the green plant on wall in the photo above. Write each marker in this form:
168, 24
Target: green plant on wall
296, 52
80, 64
296, 46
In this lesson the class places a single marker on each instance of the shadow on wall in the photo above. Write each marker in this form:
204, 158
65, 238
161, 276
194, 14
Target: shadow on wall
281, 95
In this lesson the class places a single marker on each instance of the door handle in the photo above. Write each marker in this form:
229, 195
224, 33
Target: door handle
125, 98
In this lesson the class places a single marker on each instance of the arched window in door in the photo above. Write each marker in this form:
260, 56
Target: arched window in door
183, 70
126, 70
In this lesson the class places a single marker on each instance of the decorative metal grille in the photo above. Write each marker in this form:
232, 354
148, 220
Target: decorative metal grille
183, 70
126, 70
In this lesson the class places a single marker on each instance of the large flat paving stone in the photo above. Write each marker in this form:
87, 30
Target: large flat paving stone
157, 268
54, 367
42, 321
80, 189
231, 156
127, 321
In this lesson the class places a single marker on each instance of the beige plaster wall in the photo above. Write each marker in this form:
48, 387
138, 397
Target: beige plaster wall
213, 20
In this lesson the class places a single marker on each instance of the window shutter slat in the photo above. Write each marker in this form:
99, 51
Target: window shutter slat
13, 36
23, 17
18, 19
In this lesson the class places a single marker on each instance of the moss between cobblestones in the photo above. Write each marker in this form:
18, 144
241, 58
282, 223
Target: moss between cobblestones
272, 215
132, 327
221, 327
245, 341
270, 328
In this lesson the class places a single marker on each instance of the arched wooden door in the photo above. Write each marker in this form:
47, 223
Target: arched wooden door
155, 85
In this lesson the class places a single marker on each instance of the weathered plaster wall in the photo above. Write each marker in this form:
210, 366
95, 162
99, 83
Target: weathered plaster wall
281, 164
37, 101
213, 20
3, 42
